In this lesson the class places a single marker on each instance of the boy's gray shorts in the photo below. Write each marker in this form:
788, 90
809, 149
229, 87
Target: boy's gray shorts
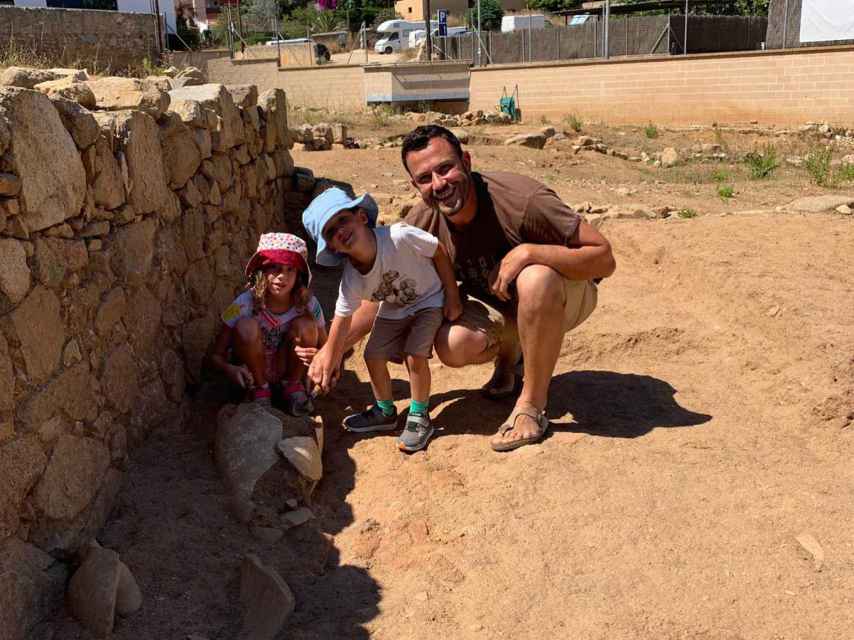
393, 339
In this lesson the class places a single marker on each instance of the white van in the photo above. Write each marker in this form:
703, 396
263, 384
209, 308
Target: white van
396, 34
522, 23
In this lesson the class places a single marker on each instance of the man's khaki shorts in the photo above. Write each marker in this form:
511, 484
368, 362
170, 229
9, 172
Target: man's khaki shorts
581, 297
414, 336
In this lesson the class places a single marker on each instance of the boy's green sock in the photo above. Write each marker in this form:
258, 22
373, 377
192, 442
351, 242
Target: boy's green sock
418, 408
387, 406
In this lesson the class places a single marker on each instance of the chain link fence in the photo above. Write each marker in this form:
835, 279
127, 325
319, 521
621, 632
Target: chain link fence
631, 36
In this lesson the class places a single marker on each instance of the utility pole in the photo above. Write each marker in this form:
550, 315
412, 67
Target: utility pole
685, 35
479, 37
606, 41
429, 41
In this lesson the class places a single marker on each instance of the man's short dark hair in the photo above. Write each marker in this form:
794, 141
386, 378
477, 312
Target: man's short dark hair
420, 137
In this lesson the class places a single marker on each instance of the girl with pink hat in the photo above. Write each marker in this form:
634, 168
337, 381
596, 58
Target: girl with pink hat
270, 330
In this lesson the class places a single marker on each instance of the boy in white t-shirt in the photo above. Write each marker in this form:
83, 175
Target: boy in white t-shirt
410, 274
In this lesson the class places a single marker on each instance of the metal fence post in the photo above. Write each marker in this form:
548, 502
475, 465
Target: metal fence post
685, 35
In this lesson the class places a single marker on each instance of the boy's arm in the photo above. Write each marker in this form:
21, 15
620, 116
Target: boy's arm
324, 367
453, 305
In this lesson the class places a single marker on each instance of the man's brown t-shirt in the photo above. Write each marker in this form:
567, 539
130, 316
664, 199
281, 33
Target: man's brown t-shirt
511, 210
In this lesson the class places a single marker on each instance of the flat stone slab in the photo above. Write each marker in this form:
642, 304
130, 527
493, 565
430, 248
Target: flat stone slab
817, 204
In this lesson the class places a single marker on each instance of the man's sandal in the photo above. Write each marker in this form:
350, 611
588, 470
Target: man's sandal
525, 409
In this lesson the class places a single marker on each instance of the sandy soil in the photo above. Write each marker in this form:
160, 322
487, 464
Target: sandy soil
703, 418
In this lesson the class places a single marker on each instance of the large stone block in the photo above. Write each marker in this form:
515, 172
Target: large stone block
112, 310
109, 185
31, 588
64, 538
73, 477
245, 96
216, 98
14, 272
78, 121
275, 108
139, 137
68, 89
45, 158
133, 250
114, 94
27, 77
193, 225
200, 282
92, 591
56, 258
143, 314
121, 378
181, 155
266, 599
21, 464
39, 326
72, 393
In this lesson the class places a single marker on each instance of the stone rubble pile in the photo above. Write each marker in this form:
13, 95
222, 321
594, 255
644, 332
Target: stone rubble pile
322, 137
124, 229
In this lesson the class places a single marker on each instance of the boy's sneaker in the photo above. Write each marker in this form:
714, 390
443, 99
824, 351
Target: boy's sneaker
372, 419
417, 433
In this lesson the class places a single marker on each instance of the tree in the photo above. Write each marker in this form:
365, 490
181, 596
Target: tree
490, 15
724, 8
553, 6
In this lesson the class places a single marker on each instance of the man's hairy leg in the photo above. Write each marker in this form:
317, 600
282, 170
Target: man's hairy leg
540, 321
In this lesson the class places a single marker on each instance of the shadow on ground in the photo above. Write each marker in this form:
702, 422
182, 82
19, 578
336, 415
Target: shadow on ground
603, 403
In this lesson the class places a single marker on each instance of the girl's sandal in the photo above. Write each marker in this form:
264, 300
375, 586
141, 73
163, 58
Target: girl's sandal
530, 411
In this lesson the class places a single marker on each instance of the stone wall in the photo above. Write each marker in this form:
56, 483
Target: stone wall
95, 39
123, 234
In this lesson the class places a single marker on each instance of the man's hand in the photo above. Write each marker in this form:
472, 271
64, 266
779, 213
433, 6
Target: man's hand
240, 375
306, 354
508, 269
453, 307
324, 371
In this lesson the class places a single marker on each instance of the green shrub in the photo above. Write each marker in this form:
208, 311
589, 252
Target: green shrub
651, 131
845, 173
762, 163
573, 122
687, 212
720, 175
381, 115
725, 192
817, 164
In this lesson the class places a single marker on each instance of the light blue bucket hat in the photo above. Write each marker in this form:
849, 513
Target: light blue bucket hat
323, 208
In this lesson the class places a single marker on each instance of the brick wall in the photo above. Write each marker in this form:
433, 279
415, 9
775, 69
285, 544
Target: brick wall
782, 87
262, 73
338, 87
72, 37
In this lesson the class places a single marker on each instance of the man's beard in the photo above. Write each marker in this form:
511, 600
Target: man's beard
461, 191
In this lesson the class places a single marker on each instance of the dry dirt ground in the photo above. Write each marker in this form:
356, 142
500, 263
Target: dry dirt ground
702, 421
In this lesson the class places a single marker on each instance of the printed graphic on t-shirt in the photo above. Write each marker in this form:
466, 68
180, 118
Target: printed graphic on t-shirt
391, 291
